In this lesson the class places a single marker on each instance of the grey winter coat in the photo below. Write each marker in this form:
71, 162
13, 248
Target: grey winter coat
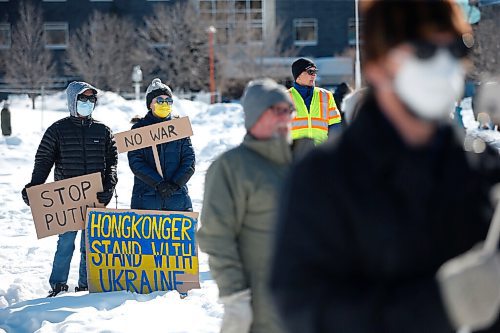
238, 218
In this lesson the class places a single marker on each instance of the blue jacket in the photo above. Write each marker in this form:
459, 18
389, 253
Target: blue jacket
306, 92
177, 163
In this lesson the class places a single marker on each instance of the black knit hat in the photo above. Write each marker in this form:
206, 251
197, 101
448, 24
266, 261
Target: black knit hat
155, 89
301, 65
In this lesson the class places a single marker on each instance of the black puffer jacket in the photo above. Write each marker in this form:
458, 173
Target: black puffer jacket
77, 146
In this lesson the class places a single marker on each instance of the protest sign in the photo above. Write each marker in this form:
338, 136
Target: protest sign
153, 135
141, 250
61, 206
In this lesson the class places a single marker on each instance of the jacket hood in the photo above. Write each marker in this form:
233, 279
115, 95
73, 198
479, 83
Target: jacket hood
74, 89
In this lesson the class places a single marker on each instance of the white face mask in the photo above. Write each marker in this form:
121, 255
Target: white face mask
430, 87
84, 109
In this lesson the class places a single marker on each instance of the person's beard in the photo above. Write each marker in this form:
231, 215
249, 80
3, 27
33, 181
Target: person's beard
283, 131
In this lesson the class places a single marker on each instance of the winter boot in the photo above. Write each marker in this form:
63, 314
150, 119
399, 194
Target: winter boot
77, 289
57, 289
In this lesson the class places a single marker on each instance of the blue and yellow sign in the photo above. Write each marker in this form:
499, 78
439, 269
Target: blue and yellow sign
141, 250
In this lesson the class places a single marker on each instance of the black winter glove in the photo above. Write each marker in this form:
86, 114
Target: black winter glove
25, 194
166, 188
104, 197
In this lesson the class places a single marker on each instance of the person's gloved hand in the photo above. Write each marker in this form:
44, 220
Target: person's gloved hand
25, 194
238, 314
104, 197
166, 188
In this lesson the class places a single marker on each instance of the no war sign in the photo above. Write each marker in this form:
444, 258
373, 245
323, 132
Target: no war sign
61, 206
153, 135
141, 250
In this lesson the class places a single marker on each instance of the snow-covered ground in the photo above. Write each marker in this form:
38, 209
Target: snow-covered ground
25, 262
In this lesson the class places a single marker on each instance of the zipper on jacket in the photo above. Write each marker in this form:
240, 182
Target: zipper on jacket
84, 147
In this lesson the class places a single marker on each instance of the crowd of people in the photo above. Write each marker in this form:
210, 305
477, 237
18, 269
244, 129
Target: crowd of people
336, 210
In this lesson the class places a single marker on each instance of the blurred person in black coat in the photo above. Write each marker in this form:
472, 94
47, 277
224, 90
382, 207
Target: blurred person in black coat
359, 253
341, 91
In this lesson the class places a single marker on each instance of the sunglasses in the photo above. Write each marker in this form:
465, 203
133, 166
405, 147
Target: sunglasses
426, 50
168, 100
85, 98
312, 71
282, 111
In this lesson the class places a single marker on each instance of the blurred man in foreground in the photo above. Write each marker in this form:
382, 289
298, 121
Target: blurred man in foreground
359, 253
239, 210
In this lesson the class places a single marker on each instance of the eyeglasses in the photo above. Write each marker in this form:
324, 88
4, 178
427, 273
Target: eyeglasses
426, 50
85, 98
277, 111
312, 71
168, 100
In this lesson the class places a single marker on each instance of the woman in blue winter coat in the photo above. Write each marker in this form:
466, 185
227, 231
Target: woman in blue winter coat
151, 190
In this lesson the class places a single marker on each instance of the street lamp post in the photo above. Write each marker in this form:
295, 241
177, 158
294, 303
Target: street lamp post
137, 79
211, 32
357, 68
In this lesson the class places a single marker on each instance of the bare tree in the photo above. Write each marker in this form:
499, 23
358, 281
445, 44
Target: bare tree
246, 54
3, 63
178, 46
104, 50
486, 54
30, 64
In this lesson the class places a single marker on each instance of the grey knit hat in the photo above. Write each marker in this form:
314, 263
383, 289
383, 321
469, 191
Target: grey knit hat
259, 95
155, 89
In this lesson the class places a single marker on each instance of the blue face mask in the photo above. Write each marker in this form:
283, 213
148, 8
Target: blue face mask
84, 109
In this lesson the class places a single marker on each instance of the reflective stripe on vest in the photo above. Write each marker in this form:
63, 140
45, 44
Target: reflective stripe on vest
312, 124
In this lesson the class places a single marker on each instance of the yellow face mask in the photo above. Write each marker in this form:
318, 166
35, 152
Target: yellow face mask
162, 110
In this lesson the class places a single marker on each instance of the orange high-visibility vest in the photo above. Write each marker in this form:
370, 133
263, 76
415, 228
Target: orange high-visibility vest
322, 113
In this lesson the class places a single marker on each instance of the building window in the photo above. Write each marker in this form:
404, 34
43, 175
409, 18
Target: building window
5, 39
230, 15
56, 35
351, 31
255, 33
206, 5
305, 31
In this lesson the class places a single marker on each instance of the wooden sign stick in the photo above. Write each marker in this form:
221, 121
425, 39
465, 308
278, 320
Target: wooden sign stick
157, 160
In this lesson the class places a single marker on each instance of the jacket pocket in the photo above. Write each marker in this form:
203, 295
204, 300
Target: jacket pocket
150, 201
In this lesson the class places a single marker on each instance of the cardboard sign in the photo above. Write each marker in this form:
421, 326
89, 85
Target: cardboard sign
141, 250
61, 206
153, 135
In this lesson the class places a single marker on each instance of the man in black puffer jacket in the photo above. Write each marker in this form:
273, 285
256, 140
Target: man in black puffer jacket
77, 145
